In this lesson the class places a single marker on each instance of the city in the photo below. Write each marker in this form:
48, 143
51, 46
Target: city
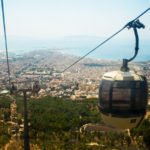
80, 81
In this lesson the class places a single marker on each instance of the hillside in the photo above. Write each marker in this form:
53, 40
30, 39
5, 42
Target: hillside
60, 124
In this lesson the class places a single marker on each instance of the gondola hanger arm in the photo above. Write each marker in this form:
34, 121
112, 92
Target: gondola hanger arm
135, 25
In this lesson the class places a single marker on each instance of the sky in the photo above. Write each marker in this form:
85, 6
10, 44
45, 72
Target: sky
59, 18
43, 20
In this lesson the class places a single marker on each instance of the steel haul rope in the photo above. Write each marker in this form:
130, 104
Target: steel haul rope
107, 39
5, 36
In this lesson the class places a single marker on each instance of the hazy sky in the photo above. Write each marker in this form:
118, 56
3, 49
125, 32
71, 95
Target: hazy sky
59, 18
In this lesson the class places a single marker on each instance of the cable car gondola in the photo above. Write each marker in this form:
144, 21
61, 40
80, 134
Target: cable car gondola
123, 93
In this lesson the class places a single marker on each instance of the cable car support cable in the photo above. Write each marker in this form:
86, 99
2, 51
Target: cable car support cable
127, 25
5, 36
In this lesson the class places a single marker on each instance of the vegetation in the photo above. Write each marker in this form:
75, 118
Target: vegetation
143, 132
4, 116
54, 114
4, 135
96, 65
55, 124
5, 108
5, 102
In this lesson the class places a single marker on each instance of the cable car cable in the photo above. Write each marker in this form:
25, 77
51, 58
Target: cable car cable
5, 36
93, 50
127, 25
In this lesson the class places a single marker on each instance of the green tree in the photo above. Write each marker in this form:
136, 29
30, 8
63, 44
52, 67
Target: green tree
146, 138
128, 140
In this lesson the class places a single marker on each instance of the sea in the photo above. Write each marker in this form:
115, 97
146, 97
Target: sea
115, 49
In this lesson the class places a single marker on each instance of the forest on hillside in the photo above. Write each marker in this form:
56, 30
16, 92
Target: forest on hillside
55, 124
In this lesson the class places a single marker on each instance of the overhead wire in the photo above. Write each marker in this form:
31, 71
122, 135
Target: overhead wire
5, 36
109, 38
106, 40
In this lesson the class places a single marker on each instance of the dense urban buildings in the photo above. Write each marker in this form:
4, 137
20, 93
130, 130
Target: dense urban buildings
46, 66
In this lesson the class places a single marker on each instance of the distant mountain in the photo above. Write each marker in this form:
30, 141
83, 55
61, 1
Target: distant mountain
83, 38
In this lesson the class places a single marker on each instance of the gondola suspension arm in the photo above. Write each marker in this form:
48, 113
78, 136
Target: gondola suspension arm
136, 24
